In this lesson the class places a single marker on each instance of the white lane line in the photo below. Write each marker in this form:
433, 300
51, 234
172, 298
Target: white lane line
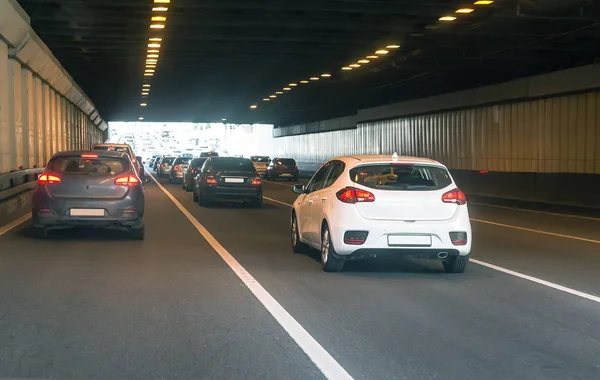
288, 184
537, 212
4, 229
330, 368
276, 201
539, 281
517, 274
537, 231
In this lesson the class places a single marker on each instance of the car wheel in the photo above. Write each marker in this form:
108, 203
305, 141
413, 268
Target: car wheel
138, 233
297, 245
201, 200
170, 181
457, 264
295, 179
195, 196
258, 202
39, 232
189, 189
329, 262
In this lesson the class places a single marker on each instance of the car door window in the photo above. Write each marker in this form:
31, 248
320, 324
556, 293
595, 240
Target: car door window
337, 168
318, 180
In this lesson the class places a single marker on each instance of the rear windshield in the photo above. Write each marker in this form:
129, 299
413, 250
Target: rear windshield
198, 162
232, 163
209, 154
183, 160
114, 149
167, 160
285, 161
88, 166
259, 159
401, 177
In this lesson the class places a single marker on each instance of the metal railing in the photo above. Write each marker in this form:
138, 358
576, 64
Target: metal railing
18, 182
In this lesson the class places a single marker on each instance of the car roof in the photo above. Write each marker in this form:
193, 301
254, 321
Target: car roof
99, 153
109, 144
370, 158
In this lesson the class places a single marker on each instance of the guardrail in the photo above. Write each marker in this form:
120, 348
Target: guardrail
15, 183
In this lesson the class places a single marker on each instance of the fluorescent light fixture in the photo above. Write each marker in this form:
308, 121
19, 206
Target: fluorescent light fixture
157, 26
145, 94
447, 18
381, 52
148, 74
162, 1
304, 81
354, 65
325, 75
140, 118
279, 92
372, 56
364, 61
151, 61
267, 99
223, 119
160, 9
146, 85
272, 96
346, 68
483, 2
155, 39
151, 66
143, 104
293, 84
152, 55
158, 18
254, 106
314, 78
393, 47
287, 89
154, 46
153, 51
465, 10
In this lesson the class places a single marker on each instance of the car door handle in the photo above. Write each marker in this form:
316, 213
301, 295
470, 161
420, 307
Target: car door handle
323, 199
310, 203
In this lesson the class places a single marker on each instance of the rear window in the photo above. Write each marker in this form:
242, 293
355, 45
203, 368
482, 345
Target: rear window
115, 149
88, 166
231, 163
259, 159
183, 160
167, 160
285, 161
401, 177
209, 154
198, 162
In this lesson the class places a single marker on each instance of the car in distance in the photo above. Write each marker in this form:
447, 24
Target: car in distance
95, 188
191, 173
223, 179
164, 166
179, 167
260, 163
121, 148
282, 168
156, 163
366, 206
209, 154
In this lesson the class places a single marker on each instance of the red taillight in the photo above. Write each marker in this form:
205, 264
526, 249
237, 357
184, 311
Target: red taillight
211, 180
128, 180
454, 196
257, 181
89, 156
48, 179
177, 167
354, 195
458, 238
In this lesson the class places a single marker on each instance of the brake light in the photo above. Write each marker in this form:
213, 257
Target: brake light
48, 179
177, 167
128, 180
211, 180
458, 238
354, 195
454, 196
89, 156
191, 170
256, 181
163, 165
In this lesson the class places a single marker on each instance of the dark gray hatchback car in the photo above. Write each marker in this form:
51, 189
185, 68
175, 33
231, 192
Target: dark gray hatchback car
89, 188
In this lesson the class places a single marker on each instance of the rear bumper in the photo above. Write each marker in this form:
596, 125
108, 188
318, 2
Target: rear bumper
232, 193
287, 174
52, 221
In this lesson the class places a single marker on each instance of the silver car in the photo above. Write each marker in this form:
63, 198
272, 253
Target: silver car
89, 188
164, 166
178, 169
260, 164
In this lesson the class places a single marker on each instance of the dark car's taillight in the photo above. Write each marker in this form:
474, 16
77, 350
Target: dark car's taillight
127, 180
177, 167
256, 181
48, 179
211, 180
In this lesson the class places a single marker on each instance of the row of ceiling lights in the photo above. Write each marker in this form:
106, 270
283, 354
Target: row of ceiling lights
369, 58
157, 23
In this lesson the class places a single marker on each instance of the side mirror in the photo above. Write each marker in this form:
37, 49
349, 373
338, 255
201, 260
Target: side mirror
299, 189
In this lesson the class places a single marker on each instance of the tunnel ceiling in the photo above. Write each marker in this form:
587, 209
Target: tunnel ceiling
218, 57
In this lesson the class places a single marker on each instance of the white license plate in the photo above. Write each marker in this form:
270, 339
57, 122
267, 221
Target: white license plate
87, 212
234, 180
286, 175
409, 240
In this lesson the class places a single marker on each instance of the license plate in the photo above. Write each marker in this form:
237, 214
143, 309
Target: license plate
409, 240
286, 175
87, 212
234, 180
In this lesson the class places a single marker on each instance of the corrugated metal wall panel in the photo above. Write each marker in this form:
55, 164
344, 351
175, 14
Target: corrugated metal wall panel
560, 134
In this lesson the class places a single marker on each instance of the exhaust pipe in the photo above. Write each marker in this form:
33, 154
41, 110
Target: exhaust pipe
442, 255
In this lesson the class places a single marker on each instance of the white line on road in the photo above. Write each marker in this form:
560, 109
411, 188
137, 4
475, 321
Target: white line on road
287, 184
536, 211
4, 229
319, 356
511, 272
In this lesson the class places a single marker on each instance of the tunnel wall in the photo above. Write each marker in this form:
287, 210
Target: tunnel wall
543, 149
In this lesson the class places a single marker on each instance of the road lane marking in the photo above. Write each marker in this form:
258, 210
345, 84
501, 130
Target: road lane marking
511, 272
288, 184
537, 212
538, 281
15, 223
537, 231
330, 368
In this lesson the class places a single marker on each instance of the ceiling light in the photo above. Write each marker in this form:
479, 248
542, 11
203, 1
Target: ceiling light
292, 84
287, 89
148, 74
314, 78
223, 119
153, 51
267, 99
465, 10
372, 56
355, 65
140, 118
157, 26
158, 18
155, 39
162, 1
393, 47
272, 96
156, 46
279, 92
447, 18
346, 68
381, 52
364, 61
160, 9
483, 2
151, 61
304, 81
143, 104
325, 75
151, 66
144, 94
146, 85
254, 106
152, 55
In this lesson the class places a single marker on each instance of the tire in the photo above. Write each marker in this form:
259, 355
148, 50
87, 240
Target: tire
188, 188
195, 196
329, 262
257, 203
457, 264
295, 179
170, 181
39, 232
138, 233
202, 201
297, 245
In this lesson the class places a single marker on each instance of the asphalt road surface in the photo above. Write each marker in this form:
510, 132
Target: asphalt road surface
216, 293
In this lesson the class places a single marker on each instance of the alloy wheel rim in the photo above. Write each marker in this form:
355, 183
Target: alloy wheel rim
294, 232
325, 246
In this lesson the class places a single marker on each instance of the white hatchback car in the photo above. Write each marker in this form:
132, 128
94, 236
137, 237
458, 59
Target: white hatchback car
363, 206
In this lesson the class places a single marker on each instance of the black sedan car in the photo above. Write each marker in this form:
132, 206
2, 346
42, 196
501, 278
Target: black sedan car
225, 179
191, 172
89, 188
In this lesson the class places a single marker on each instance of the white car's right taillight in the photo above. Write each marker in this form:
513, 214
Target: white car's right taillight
353, 195
454, 196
